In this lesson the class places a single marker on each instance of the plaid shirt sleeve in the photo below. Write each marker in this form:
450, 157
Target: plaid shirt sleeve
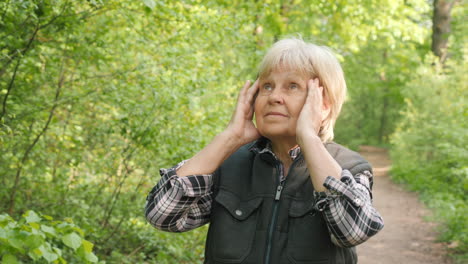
178, 204
347, 208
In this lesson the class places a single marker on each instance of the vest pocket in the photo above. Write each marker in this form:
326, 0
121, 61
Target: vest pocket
232, 228
308, 237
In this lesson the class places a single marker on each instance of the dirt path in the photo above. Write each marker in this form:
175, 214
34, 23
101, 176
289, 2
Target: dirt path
406, 237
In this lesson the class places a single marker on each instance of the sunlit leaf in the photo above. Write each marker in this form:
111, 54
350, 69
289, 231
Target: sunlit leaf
9, 259
72, 240
31, 217
150, 3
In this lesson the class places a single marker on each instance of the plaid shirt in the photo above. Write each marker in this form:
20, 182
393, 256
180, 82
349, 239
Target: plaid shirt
179, 204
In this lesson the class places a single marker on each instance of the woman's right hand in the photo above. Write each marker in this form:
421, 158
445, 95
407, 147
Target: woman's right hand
241, 126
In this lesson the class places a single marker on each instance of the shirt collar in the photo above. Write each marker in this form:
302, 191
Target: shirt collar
263, 145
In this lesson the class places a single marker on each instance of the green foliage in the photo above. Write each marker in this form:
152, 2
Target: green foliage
43, 240
429, 145
430, 151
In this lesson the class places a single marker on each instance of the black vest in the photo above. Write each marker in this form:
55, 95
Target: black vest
251, 224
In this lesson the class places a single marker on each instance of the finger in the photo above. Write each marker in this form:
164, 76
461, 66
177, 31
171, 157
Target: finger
325, 103
311, 90
251, 99
250, 113
318, 92
319, 99
252, 91
245, 88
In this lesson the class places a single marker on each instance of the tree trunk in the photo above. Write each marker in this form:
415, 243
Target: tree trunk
441, 27
385, 87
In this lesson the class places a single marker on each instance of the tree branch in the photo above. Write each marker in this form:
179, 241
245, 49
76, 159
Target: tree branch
22, 51
10, 86
69, 99
29, 149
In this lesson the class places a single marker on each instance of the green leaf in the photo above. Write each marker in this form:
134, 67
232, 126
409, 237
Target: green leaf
79, 230
47, 253
72, 240
85, 252
31, 217
3, 233
57, 250
16, 240
4, 219
150, 3
48, 217
48, 230
33, 241
35, 254
91, 257
87, 246
17, 244
35, 225
9, 259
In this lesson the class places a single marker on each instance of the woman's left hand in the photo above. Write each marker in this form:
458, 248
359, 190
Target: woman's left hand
312, 113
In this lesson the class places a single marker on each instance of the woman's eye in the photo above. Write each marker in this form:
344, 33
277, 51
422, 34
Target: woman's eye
267, 87
293, 86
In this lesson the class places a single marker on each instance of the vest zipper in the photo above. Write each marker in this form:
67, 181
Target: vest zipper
274, 215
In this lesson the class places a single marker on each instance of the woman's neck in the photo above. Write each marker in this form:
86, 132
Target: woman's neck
281, 150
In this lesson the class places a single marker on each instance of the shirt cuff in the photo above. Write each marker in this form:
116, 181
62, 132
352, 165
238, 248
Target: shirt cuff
192, 185
346, 187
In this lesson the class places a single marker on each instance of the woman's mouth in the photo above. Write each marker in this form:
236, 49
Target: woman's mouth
276, 114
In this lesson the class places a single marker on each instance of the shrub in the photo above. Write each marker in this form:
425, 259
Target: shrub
42, 239
429, 147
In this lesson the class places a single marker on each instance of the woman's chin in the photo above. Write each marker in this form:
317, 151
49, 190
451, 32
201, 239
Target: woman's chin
276, 135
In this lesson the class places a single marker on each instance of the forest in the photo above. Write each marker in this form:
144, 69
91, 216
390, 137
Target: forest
96, 96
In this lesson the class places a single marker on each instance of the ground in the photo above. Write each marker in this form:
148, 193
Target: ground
406, 238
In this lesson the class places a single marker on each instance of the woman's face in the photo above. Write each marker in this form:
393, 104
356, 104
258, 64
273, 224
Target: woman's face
279, 102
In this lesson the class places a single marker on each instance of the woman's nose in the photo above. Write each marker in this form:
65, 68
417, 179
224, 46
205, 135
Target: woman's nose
276, 96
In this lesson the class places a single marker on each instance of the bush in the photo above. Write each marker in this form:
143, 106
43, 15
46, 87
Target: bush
43, 240
429, 148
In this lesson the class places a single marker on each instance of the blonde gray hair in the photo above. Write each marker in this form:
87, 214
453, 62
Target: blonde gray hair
312, 61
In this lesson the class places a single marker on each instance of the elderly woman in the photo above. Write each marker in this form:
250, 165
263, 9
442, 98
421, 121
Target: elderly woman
279, 190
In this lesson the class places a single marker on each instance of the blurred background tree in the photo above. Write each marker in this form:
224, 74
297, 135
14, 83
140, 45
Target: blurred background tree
96, 96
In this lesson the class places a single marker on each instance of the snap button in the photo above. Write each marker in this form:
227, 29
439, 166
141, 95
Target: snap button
238, 212
358, 201
321, 204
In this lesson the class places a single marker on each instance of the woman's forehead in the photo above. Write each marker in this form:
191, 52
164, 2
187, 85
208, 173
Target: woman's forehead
289, 71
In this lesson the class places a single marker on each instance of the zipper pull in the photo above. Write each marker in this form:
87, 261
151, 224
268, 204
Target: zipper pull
278, 192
